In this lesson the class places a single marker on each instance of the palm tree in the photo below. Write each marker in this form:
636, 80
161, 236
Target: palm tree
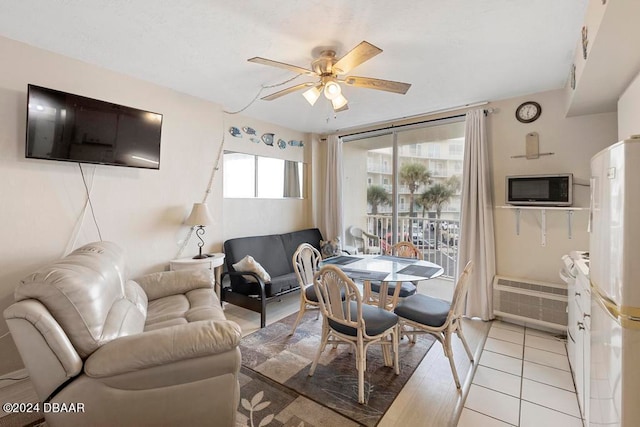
437, 196
413, 175
454, 182
377, 195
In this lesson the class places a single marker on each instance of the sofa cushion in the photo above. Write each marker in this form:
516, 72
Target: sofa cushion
292, 240
249, 264
86, 294
282, 283
193, 306
267, 250
277, 285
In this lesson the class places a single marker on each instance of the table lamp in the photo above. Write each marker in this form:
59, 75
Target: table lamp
199, 218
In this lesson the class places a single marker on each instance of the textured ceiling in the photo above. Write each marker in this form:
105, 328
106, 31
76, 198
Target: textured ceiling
454, 52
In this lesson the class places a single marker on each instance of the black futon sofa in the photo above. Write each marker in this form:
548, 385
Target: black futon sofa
274, 252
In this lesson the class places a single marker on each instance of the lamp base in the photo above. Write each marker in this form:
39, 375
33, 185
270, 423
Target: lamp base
201, 256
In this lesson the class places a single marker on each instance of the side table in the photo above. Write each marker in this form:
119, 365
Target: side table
213, 263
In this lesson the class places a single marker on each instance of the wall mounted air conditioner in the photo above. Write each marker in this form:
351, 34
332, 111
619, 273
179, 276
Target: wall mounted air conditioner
530, 302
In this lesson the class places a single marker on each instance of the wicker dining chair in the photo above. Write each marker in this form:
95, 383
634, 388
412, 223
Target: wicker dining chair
348, 320
403, 250
427, 315
305, 264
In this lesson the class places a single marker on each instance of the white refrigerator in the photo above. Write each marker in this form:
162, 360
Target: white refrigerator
614, 247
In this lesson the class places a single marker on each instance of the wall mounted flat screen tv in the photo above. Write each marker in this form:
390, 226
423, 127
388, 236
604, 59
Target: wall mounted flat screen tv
68, 127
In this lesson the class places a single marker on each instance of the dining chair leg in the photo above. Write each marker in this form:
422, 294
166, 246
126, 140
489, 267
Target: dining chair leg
386, 352
361, 364
464, 342
303, 308
396, 340
449, 353
323, 344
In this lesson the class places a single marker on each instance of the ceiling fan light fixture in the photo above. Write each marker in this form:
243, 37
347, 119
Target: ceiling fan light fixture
332, 90
312, 95
339, 102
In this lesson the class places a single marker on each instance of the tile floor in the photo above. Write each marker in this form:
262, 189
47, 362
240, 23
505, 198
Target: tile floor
523, 379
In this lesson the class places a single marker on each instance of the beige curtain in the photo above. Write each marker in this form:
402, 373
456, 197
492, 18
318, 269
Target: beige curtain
331, 213
291, 179
476, 219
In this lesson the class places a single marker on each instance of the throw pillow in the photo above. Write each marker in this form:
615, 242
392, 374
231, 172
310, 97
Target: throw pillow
329, 248
249, 264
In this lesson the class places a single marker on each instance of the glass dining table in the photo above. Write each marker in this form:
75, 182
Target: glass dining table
384, 269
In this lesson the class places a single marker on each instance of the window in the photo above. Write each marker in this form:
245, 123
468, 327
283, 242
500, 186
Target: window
456, 149
249, 176
404, 209
433, 151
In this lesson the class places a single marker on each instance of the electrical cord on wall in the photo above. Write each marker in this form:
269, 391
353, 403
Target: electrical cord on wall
216, 164
86, 188
262, 87
71, 244
215, 168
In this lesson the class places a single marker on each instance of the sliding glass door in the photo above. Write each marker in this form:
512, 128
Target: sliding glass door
404, 184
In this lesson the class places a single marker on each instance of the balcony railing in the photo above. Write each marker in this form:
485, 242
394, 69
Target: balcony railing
437, 239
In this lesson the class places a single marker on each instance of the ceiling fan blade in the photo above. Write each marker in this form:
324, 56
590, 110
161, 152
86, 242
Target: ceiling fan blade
370, 83
287, 91
356, 56
289, 67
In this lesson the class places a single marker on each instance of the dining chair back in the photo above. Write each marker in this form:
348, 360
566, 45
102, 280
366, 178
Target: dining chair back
347, 320
427, 315
403, 250
306, 260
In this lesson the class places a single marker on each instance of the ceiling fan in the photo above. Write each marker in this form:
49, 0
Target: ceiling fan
328, 68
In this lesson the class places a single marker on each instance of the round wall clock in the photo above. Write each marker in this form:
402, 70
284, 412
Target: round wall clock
528, 112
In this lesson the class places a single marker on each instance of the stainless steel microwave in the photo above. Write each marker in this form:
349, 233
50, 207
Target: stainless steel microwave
540, 190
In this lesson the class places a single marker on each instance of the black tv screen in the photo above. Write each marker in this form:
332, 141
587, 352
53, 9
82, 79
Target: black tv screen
63, 126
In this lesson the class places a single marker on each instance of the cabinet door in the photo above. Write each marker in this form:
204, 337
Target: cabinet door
580, 367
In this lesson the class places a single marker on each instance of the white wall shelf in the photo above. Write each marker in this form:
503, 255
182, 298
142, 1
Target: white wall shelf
543, 218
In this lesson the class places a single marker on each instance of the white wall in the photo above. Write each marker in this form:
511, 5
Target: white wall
252, 217
573, 141
629, 111
141, 210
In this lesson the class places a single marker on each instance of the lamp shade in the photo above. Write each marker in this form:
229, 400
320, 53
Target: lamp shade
199, 215
339, 102
312, 95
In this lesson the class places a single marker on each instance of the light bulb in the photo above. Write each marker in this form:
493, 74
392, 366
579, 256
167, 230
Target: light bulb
332, 90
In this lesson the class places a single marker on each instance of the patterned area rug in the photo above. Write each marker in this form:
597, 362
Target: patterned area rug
276, 366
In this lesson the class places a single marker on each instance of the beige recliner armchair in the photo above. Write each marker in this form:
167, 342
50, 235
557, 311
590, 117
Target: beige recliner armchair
154, 351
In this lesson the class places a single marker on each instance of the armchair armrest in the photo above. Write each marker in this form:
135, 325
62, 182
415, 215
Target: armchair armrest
165, 283
163, 346
371, 243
